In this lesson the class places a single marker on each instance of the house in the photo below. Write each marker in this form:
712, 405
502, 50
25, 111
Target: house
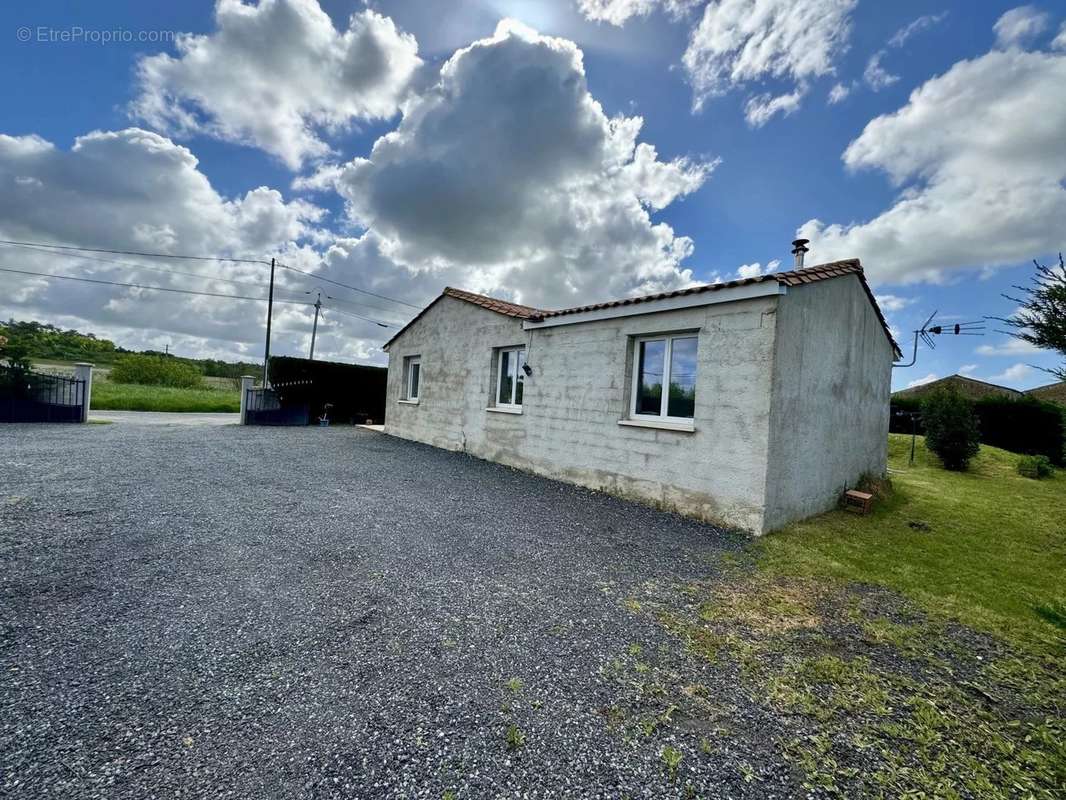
750, 403
1050, 393
970, 388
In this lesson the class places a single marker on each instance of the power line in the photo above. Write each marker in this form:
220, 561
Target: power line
152, 267
148, 254
318, 277
136, 252
181, 291
357, 316
143, 286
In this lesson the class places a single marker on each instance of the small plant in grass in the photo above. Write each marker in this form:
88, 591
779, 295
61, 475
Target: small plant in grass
950, 429
1035, 467
514, 737
449, 795
671, 758
515, 685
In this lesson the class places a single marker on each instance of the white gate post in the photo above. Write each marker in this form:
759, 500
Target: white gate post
247, 383
83, 371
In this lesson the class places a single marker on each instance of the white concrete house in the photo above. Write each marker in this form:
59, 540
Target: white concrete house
750, 403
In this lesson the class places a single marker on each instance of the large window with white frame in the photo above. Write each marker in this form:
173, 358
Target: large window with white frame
510, 377
664, 377
412, 378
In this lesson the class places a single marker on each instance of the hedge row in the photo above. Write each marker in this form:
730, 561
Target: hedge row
1025, 425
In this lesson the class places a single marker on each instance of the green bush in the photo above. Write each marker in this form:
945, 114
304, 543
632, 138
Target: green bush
155, 371
950, 428
1035, 467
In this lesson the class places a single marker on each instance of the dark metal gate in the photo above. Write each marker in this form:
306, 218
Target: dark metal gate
33, 397
264, 407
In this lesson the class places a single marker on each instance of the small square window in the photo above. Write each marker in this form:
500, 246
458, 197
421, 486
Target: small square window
664, 377
412, 378
510, 378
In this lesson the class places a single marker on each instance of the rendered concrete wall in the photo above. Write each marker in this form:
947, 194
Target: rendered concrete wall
580, 390
831, 386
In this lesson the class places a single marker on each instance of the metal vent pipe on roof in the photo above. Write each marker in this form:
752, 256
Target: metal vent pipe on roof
799, 247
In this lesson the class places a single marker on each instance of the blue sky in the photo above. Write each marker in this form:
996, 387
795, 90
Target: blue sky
724, 190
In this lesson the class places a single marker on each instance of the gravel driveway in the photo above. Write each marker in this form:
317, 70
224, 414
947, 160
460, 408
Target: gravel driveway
212, 612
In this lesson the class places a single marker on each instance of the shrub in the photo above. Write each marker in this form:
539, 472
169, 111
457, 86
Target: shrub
1035, 467
1023, 425
155, 371
950, 428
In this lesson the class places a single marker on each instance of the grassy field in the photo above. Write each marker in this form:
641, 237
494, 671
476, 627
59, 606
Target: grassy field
918, 652
217, 394
109, 396
986, 547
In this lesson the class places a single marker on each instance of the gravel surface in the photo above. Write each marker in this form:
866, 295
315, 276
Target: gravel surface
191, 611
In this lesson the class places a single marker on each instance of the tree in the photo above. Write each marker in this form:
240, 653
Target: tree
1041, 318
950, 428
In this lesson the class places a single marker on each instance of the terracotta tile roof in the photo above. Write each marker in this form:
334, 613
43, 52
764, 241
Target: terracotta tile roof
492, 304
798, 277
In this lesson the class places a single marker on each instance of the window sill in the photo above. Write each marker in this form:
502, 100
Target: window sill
504, 410
663, 425
408, 402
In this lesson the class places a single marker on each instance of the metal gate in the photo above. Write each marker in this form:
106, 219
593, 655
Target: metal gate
264, 407
34, 397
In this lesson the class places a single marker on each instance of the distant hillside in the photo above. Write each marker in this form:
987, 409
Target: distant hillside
40, 342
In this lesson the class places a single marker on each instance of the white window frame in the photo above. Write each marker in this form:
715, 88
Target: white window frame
519, 376
662, 416
408, 363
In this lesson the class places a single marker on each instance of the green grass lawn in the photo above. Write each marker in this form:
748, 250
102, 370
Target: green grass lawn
107, 396
993, 556
918, 652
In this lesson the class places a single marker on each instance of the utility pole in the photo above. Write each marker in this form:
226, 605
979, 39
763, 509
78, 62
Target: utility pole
270, 311
314, 329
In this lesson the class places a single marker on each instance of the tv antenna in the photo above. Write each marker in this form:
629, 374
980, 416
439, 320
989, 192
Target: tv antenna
928, 331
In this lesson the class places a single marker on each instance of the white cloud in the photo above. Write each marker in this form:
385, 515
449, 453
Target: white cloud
617, 12
507, 177
761, 109
924, 22
932, 376
981, 160
891, 302
1008, 347
137, 190
738, 42
876, 76
966, 369
1012, 374
1019, 26
1059, 42
276, 75
838, 93
749, 270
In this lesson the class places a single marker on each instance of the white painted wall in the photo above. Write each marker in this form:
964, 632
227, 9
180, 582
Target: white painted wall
791, 402
580, 390
831, 387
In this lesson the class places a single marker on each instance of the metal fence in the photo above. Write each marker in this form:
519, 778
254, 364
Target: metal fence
266, 407
34, 397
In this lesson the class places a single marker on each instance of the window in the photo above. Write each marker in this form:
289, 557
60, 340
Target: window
510, 377
669, 360
412, 378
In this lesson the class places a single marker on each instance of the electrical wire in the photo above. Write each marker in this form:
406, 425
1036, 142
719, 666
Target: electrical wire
132, 265
186, 257
357, 316
318, 277
184, 291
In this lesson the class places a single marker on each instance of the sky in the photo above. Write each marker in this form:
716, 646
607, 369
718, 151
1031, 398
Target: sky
550, 153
